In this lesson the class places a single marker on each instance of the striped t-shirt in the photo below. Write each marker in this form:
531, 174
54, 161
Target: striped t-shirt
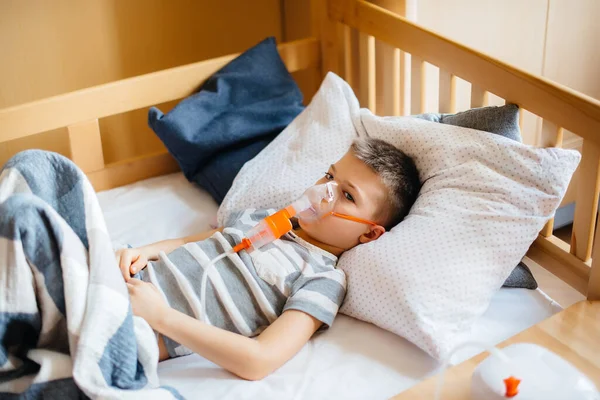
247, 291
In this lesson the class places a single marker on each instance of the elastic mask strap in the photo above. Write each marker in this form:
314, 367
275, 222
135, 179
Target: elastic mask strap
351, 218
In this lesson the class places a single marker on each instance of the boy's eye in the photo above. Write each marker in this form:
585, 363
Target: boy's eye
349, 196
328, 176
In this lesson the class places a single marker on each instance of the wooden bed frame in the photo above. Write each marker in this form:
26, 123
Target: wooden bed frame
330, 49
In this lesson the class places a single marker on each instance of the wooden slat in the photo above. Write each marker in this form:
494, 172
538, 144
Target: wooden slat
548, 229
133, 93
551, 136
593, 292
327, 32
85, 145
479, 97
447, 92
418, 101
133, 170
404, 83
521, 115
553, 254
387, 77
367, 72
383, 75
586, 204
397, 84
572, 110
348, 56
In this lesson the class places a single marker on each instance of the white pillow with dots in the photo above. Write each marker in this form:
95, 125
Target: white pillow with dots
483, 201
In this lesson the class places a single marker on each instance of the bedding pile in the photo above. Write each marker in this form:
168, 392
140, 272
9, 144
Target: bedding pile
351, 360
66, 324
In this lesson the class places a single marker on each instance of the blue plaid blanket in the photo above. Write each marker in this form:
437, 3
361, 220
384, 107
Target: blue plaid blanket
66, 325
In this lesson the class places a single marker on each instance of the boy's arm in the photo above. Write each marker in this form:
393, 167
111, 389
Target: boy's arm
133, 260
251, 359
152, 250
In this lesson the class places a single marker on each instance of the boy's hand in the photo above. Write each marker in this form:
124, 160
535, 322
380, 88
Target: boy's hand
131, 261
146, 301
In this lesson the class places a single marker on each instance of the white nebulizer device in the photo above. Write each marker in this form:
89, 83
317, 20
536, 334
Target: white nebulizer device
525, 371
316, 202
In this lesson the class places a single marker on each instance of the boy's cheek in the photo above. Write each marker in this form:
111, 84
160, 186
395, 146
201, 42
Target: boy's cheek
337, 228
332, 230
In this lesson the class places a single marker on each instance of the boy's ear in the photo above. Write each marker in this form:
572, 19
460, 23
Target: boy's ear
375, 232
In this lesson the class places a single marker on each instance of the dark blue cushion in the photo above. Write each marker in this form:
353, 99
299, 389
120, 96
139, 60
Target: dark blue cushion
236, 113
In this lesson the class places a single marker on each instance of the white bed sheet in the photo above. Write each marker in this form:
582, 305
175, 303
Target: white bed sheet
352, 360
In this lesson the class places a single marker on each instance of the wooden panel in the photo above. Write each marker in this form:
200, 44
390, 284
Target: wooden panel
586, 205
105, 41
366, 55
56, 47
547, 99
577, 66
133, 170
85, 145
447, 92
479, 97
138, 92
417, 85
55, 140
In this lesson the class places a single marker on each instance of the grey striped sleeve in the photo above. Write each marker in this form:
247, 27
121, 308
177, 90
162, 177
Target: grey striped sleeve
319, 295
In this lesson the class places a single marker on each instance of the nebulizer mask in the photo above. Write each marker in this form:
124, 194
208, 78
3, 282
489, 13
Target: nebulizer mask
317, 202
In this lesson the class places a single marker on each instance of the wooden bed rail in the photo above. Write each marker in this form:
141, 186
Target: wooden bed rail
559, 107
565, 107
79, 111
133, 93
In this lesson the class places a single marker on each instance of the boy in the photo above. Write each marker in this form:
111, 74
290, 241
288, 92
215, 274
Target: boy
280, 294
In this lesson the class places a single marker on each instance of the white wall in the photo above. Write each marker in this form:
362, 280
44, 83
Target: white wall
558, 39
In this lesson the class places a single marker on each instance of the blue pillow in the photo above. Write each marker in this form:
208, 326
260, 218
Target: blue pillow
236, 113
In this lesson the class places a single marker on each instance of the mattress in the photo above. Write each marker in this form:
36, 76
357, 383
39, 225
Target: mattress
352, 360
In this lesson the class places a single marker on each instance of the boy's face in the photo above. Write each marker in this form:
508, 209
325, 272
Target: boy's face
361, 193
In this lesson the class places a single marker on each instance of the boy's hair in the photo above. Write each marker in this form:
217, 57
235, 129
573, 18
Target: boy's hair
398, 173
